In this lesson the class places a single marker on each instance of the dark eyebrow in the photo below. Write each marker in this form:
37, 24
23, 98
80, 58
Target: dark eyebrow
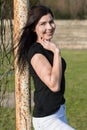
42, 22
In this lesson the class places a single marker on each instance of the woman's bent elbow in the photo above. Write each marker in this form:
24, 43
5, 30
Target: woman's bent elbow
55, 88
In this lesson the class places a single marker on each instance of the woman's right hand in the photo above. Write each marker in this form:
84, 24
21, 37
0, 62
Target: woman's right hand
49, 46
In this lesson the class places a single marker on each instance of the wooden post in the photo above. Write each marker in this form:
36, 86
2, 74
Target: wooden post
23, 118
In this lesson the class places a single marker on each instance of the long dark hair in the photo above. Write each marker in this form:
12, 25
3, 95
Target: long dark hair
28, 36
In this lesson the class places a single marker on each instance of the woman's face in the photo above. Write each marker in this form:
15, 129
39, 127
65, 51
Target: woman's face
45, 28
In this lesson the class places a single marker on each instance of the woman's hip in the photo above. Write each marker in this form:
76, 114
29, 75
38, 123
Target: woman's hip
56, 121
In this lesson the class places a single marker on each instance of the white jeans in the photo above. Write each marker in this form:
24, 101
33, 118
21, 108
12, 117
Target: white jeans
55, 121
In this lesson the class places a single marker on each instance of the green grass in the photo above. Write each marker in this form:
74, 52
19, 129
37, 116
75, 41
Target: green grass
7, 119
76, 87
6, 72
75, 94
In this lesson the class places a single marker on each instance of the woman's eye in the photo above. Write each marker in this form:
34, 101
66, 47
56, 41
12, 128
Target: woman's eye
43, 23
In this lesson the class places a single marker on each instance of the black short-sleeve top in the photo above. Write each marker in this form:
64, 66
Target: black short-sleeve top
46, 102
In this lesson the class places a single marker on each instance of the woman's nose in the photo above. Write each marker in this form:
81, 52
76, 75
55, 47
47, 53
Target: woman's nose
49, 26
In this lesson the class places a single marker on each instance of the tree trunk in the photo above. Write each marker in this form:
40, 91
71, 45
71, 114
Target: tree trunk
23, 118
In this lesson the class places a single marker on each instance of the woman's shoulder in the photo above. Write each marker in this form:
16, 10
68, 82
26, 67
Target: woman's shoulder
35, 48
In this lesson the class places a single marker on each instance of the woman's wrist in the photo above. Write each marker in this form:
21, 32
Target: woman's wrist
57, 50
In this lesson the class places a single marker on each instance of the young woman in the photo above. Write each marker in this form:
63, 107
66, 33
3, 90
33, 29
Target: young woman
47, 68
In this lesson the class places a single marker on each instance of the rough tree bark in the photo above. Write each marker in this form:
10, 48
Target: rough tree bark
23, 118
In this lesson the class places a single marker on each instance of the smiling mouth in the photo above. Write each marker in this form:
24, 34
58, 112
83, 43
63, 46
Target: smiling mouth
49, 33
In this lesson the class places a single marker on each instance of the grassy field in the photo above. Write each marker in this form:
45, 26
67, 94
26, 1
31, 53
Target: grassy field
76, 93
76, 88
